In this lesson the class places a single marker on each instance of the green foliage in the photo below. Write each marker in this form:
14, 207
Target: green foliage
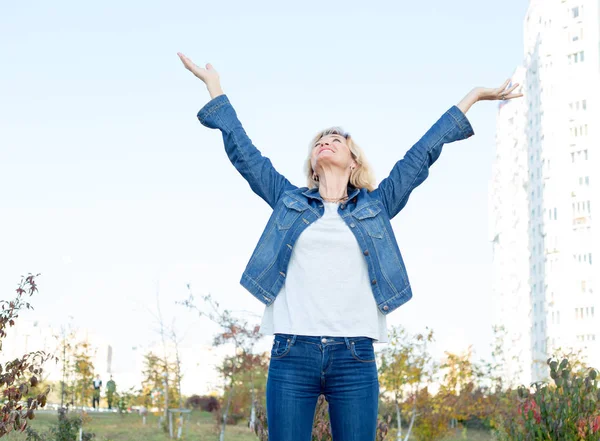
67, 429
20, 387
156, 370
83, 373
566, 410
126, 399
246, 375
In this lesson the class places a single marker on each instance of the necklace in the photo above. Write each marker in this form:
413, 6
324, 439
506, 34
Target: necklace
343, 198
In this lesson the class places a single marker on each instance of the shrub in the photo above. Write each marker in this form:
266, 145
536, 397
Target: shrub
205, 403
568, 409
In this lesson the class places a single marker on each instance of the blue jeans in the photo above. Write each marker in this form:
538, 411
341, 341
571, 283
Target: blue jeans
341, 368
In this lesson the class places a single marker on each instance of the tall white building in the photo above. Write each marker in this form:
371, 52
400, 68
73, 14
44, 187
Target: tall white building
543, 232
510, 238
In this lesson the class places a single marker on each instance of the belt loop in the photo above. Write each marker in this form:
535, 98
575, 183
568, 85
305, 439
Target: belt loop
347, 340
293, 339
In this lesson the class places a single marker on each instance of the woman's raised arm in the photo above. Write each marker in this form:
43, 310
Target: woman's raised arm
264, 180
413, 169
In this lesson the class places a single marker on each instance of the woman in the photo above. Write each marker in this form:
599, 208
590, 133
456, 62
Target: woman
327, 265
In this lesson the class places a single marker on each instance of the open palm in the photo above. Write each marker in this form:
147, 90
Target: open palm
208, 75
503, 92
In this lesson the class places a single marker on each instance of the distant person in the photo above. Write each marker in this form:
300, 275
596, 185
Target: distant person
327, 267
111, 389
96, 396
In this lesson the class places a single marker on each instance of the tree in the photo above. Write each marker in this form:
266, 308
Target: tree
434, 417
246, 376
154, 373
236, 331
20, 377
83, 372
405, 368
171, 366
461, 391
65, 345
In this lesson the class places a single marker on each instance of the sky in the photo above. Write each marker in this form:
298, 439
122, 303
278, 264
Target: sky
114, 192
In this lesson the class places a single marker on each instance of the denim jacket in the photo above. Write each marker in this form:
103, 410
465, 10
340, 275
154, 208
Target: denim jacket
367, 213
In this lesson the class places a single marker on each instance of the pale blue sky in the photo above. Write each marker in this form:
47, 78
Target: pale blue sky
109, 184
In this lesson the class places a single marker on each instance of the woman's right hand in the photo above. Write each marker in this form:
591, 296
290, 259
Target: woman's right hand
209, 75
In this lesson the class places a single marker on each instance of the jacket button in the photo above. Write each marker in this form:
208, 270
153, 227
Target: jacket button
386, 307
352, 225
366, 252
373, 282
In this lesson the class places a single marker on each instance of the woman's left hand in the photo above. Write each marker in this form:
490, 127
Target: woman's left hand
500, 93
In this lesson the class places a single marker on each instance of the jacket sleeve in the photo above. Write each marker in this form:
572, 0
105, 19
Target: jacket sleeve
413, 169
264, 180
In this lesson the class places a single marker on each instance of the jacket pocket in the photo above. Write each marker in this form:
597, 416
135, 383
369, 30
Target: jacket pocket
289, 211
370, 218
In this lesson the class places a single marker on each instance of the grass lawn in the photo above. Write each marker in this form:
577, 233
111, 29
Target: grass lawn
201, 427
114, 427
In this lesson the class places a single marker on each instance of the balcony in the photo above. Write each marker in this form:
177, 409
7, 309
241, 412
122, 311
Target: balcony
582, 221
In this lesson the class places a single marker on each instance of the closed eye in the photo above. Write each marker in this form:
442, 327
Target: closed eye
334, 139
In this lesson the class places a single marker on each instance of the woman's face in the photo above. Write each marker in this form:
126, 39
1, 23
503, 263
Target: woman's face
331, 150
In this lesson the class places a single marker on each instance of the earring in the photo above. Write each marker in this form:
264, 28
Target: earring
315, 177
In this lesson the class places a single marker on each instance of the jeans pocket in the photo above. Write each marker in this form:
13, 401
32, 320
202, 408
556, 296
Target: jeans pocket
281, 346
362, 350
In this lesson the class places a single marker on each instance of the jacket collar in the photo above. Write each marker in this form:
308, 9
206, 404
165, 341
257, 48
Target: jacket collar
313, 193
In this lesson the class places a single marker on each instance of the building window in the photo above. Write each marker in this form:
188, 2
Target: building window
575, 11
576, 57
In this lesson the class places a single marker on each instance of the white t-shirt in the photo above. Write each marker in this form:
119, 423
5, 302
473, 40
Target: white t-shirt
327, 291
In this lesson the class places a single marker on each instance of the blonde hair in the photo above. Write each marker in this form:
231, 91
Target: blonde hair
361, 177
